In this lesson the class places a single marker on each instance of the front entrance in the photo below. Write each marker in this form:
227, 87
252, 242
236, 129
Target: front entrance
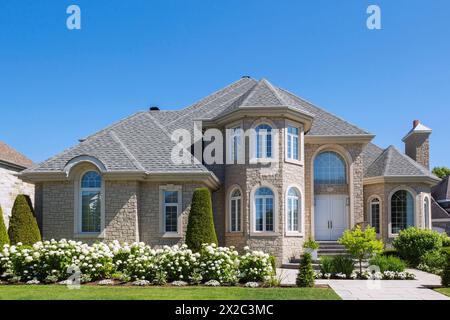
330, 217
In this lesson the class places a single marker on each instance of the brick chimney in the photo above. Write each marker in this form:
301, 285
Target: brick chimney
417, 143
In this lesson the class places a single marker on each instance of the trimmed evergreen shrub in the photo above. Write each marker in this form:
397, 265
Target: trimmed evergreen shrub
305, 277
326, 265
445, 240
413, 243
200, 229
388, 263
273, 263
4, 239
445, 277
23, 226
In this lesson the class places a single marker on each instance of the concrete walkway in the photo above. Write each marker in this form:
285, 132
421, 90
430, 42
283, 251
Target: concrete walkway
418, 289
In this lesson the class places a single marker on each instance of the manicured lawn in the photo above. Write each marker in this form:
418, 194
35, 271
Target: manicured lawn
162, 293
445, 291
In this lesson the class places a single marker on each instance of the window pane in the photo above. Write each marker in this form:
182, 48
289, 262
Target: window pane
269, 214
263, 141
233, 215
426, 211
264, 192
91, 211
171, 196
91, 180
259, 214
402, 211
289, 146
375, 215
171, 218
329, 168
239, 215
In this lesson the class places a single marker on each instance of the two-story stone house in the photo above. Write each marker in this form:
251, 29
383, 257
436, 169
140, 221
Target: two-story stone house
290, 171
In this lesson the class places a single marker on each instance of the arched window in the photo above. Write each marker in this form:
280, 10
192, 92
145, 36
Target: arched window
329, 168
375, 214
264, 206
293, 209
402, 211
90, 197
264, 141
426, 212
235, 210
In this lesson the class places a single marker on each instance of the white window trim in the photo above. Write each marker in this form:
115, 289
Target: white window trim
230, 141
369, 209
230, 200
414, 196
162, 206
301, 138
253, 231
430, 226
79, 207
301, 219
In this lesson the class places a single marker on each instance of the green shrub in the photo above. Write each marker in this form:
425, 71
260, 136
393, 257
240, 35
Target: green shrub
413, 243
388, 263
326, 265
311, 244
344, 265
200, 229
4, 238
445, 240
361, 244
433, 261
445, 251
273, 263
390, 253
23, 226
445, 276
305, 277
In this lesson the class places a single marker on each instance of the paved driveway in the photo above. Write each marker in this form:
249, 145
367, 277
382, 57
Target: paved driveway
381, 289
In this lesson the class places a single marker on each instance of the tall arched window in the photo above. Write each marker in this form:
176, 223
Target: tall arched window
402, 211
264, 210
264, 141
293, 209
426, 212
235, 210
375, 214
90, 197
329, 168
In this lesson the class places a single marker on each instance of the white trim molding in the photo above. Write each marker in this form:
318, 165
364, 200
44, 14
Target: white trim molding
162, 220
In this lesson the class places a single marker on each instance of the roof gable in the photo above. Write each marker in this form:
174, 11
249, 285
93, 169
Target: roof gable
13, 157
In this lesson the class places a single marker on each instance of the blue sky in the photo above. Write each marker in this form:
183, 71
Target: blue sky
57, 86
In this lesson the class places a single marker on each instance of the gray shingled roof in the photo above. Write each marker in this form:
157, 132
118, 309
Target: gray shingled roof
437, 212
392, 163
141, 142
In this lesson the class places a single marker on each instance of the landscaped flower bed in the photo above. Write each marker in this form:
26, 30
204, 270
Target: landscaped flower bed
367, 275
136, 264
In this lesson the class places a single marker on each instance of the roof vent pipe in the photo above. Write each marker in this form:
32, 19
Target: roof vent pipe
154, 108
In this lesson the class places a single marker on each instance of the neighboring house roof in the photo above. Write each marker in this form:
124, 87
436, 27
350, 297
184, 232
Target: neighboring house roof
10, 156
393, 163
442, 190
437, 212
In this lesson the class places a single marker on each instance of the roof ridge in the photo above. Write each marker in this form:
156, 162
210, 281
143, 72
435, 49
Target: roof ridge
275, 91
321, 109
389, 151
127, 152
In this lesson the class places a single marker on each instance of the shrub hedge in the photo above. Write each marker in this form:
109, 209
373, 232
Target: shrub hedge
23, 227
200, 229
445, 277
4, 238
388, 263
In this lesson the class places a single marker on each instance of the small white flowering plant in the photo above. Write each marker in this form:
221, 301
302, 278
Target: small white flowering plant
255, 266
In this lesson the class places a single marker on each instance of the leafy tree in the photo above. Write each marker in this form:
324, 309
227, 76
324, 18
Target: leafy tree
441, 172
4, 239
23, 226
305, 277
361, 244
200, 229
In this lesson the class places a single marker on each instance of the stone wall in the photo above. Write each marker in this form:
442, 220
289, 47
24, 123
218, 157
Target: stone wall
10, 187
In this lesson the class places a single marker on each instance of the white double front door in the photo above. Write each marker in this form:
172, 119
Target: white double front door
330, 217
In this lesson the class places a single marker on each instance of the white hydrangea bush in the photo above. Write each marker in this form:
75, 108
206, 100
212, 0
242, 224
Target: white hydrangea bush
255, 266
220, 264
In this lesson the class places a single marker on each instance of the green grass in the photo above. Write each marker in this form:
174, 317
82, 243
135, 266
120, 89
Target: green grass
445, 291
54, 292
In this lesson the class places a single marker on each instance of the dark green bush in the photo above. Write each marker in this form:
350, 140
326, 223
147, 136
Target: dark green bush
445, 276
200, 229
4, 239
326, 265
344, 265
445, 240
445, 251
305, 277
390, 253
388, 263
23, 226
413, 243
433, 261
